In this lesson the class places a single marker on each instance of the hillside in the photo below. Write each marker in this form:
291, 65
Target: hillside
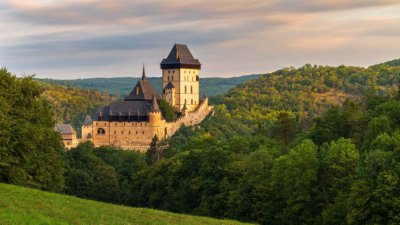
72, 104
123, 85
20, 205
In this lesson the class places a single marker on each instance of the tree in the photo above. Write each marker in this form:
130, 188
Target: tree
167, 110
294, 184
156, 150
30, 150
336, 175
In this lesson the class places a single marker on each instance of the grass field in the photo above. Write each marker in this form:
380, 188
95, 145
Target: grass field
20, 205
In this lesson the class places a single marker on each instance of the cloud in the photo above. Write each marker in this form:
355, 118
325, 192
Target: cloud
230, 37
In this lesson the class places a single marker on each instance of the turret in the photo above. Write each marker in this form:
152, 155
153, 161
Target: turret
87, 129
155, 113
169, 92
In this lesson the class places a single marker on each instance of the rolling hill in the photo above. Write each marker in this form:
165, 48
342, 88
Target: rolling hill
20, 205
123, 85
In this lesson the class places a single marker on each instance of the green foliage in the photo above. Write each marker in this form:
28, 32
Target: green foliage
31, 206
30, 151
71, 105
121, 86
167, 110
156, 150
102, 173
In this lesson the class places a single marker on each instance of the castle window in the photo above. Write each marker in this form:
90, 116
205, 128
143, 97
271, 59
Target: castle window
168, 78
191, 101
136, 132
185, 89
142, 132
169, 71
122, 132
129, 132
105, 124
97, 124
115, 124
173, 71
115, 132
101, 131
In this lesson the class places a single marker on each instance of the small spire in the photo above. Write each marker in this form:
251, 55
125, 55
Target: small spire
204, 96
143, 73
154, 104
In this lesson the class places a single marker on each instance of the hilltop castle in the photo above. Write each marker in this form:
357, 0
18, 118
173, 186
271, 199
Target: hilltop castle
133, 122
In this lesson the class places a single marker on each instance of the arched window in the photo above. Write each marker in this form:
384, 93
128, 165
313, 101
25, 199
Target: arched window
101, 131
185, 89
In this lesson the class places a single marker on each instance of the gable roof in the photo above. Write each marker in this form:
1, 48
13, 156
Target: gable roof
64, 129
142, 91
180, 57
169, 85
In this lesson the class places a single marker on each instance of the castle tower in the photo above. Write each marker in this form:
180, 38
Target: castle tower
155, 113
181, 78
87, 129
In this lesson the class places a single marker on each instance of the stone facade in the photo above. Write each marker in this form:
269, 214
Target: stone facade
68, 135
131, 124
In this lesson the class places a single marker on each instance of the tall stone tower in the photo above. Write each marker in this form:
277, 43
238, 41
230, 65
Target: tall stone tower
181, 78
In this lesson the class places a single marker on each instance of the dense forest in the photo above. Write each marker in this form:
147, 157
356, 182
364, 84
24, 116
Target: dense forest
120, 86
71, 104
312, 145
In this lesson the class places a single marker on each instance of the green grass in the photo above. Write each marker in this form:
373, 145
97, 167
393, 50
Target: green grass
20, 205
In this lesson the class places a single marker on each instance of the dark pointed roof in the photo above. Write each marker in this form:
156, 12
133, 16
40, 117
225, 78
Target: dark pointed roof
204, 96
142, 91
154, 104
180, 57
169, 85
143, 74
88, 120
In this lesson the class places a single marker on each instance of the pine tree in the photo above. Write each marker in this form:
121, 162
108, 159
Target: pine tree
156, 150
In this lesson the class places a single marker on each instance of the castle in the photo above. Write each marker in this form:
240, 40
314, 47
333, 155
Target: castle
132, 122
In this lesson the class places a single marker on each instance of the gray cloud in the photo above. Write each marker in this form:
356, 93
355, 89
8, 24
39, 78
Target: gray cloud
230, 37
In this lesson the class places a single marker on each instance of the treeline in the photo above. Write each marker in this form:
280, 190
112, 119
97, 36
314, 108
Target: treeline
71, 104
120, 86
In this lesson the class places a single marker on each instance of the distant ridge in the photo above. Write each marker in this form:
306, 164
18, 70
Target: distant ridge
123, 85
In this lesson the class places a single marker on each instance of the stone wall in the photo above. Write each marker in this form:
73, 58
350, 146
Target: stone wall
138, 135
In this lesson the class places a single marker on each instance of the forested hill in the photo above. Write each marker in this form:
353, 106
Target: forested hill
123, 85
391, 63
71, 104
306, 91
312, 145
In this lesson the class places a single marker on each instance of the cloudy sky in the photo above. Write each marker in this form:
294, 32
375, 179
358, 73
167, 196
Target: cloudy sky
98, 38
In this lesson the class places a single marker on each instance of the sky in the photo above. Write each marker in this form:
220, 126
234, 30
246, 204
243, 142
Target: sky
69, 39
